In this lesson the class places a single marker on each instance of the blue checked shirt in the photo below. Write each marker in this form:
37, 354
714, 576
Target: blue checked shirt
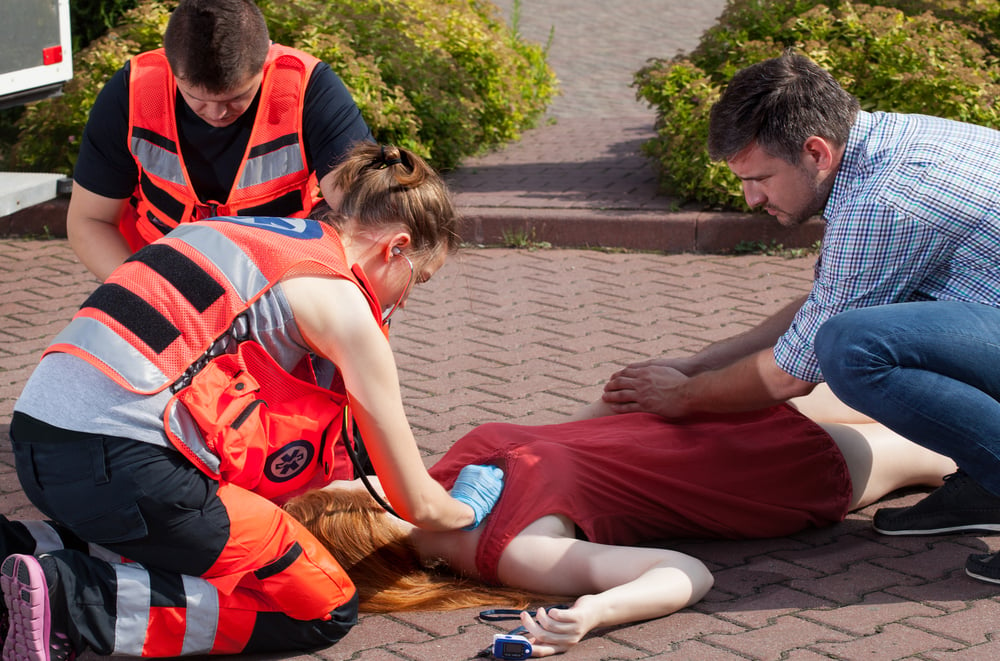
914, 215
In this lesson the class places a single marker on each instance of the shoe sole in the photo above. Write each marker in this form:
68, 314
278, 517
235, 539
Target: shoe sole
988, 527
980, 577
26, 596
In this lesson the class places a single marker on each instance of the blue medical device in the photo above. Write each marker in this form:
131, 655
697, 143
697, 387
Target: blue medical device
510, 646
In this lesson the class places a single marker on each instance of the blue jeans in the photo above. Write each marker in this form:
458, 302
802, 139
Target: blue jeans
928, 370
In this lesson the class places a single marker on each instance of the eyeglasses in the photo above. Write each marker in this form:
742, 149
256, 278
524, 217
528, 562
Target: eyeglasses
404, 293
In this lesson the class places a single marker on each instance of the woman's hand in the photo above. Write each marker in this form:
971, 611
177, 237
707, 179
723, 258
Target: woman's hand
558, 629
617, 584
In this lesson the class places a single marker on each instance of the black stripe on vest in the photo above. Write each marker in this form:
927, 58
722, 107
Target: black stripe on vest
135, 314
274, 145
155, 138
281, 207
190, 280
286, 560
161, 199
157, 223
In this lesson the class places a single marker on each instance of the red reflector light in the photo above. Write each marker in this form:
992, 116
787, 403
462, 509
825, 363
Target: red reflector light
52, 55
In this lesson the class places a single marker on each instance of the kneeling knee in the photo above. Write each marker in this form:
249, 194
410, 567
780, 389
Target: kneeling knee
842, 348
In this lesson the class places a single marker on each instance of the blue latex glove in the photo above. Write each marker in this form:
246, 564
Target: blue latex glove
478, 487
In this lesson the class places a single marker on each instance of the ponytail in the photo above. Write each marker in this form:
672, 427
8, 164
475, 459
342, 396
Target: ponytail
385, 185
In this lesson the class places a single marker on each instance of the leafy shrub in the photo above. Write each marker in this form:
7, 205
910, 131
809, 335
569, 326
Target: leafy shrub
910, 56
89, 19
446, 78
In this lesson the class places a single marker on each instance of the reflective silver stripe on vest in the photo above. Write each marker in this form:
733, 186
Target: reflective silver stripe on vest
244, 276
132, 608
202, 601
270, 166
141, 374
114, 351
183, 427
158, 161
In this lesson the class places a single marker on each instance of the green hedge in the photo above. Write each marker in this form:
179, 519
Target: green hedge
446, 78
912, 56
89, 19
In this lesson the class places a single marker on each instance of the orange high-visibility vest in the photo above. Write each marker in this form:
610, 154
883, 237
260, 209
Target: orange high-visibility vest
175, 310
273, 178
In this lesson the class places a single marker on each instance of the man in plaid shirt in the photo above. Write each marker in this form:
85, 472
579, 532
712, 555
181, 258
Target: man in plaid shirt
903, 319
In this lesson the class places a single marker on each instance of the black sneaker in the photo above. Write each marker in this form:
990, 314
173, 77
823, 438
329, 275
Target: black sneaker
984, 567
958, 505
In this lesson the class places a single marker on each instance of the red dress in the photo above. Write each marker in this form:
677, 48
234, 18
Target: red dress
635, 478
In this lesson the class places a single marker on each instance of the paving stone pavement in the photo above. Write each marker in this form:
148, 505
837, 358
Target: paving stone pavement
527, 336
579, 179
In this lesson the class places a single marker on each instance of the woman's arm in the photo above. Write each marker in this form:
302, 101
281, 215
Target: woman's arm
619, 584
336, 321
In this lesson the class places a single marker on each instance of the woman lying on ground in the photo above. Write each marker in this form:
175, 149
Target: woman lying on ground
579, 495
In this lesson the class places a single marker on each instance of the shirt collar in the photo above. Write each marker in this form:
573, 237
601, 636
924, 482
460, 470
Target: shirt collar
851, 162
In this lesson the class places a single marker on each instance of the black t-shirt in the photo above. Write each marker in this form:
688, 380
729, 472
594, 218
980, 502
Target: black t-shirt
331, 123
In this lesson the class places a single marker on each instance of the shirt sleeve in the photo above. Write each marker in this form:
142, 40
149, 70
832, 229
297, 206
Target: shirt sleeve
877, 254
105, 165
331, 121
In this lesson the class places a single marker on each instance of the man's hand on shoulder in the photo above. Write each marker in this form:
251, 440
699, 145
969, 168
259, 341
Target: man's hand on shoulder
652, 386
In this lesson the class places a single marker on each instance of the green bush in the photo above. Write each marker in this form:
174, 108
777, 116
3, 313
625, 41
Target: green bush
89, 19
446, 78
910, 56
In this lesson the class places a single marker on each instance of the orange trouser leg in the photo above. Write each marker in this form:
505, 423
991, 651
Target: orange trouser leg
278, 564
126, 609
224, 625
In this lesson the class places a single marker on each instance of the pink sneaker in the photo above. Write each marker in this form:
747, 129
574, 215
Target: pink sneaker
26, 596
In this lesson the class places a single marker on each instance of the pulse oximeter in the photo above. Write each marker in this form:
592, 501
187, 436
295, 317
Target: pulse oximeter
510, 646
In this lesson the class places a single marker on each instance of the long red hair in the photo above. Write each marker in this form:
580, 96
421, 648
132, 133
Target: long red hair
384, 565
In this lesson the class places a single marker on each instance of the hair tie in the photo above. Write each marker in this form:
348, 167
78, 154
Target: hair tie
395, 160
382, 162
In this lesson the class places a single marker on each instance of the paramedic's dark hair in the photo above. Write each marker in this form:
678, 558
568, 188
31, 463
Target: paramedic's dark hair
778, 104
216, 44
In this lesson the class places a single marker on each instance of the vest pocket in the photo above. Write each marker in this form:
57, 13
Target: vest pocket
227, 435
245, 420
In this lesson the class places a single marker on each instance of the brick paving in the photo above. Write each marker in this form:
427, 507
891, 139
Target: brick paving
527, 336
579, 178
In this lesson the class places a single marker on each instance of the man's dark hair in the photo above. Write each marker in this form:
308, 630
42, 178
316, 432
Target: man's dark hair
216, 44
778, 104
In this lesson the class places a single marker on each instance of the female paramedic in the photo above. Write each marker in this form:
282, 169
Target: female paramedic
579, 496
199, 386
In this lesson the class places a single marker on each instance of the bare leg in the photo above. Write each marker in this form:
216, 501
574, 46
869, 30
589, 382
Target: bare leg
823, 406
596, 409
880, 461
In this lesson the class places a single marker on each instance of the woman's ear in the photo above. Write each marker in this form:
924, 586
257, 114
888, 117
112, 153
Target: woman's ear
396, 244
